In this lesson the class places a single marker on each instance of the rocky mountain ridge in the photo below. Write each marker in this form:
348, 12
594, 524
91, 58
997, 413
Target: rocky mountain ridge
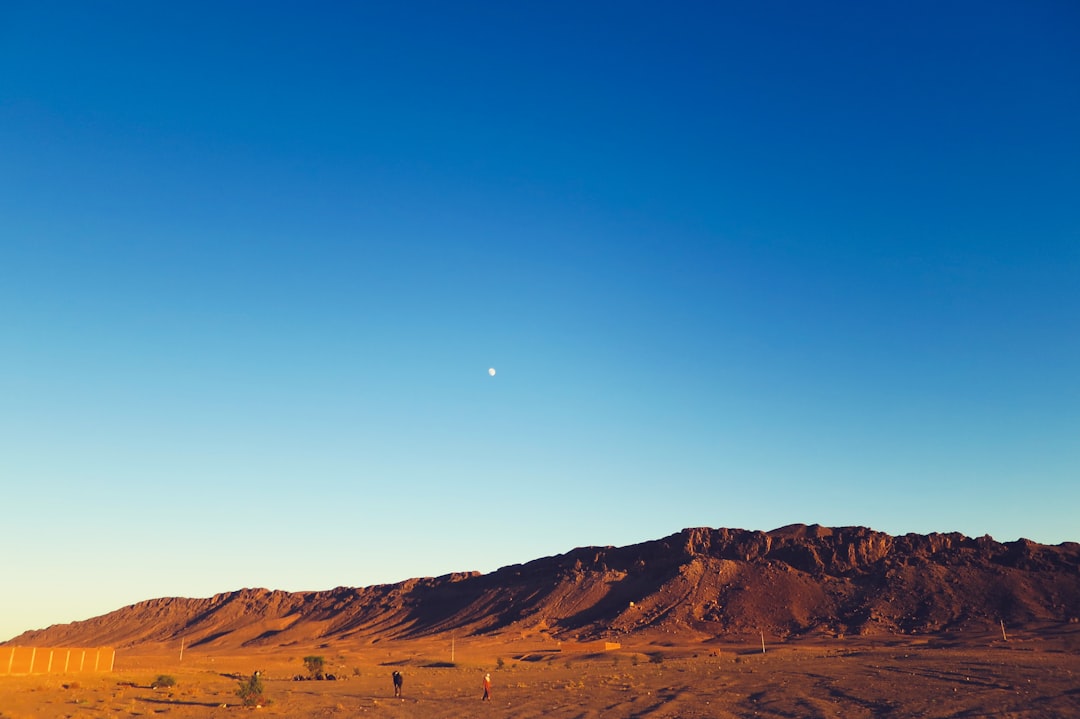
699, 583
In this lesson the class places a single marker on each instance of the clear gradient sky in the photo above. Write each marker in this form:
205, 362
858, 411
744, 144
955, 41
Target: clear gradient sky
736, 265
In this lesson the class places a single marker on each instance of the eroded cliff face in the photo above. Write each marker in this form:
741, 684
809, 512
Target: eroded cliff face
699, 583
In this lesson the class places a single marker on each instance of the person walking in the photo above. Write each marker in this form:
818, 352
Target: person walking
398, 681
487, 688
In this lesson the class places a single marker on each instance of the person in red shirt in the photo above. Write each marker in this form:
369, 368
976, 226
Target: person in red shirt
487, 688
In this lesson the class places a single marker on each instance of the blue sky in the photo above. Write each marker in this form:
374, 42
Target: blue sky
736, 265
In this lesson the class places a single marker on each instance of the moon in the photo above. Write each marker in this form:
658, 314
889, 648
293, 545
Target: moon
491, 371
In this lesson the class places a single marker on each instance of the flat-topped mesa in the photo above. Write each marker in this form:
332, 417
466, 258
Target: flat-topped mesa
810, 548
836, 550
737, 544
840, 550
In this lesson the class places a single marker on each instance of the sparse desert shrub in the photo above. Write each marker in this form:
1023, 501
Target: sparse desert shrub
356, 671
163, 680
500, 663
656, 658
314, 665
251, 691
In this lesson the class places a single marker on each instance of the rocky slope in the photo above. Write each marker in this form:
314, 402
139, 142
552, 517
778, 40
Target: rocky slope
699, 583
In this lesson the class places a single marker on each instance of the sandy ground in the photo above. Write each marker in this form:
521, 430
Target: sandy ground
826, 679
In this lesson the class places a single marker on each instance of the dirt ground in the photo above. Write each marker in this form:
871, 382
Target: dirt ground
838, 678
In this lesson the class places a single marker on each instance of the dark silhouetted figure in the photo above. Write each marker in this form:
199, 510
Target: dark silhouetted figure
398, 679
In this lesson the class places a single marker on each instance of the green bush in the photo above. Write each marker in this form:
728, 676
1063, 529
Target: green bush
314, 665
251, 691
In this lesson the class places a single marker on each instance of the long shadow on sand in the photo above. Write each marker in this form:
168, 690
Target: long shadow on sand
178, 702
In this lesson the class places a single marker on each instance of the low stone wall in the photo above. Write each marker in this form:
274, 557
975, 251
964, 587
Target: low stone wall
589, 647
55, 660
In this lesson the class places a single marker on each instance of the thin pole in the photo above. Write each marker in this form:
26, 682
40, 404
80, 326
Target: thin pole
451, 649
763, 642
182, 648
1003, 630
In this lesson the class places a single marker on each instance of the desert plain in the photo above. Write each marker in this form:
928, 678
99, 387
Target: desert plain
1034, 673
